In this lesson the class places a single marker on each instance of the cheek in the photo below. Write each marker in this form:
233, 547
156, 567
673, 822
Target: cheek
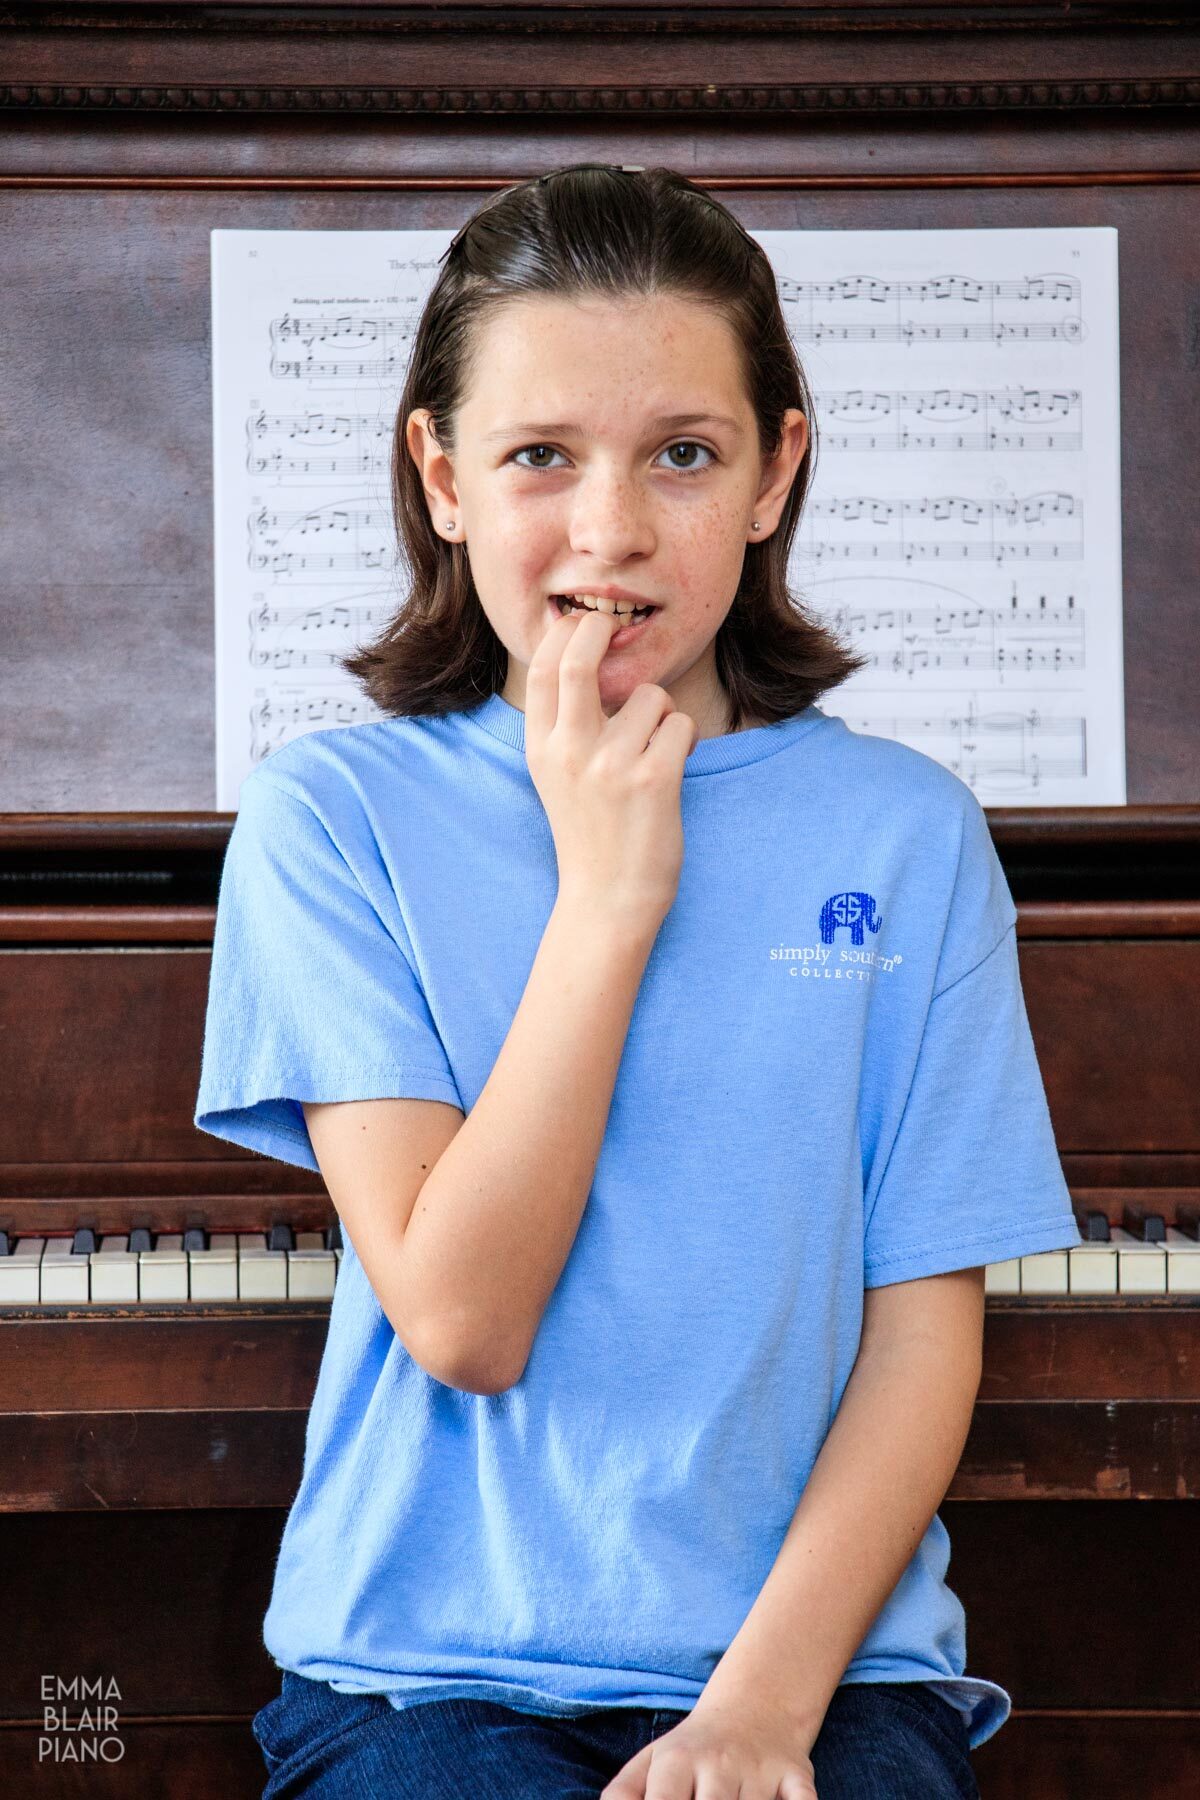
716, 551
716, 531
519, 555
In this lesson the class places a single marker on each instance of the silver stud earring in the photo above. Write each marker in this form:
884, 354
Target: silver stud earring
449, 524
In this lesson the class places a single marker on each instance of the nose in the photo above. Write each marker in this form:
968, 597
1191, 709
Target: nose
610, 520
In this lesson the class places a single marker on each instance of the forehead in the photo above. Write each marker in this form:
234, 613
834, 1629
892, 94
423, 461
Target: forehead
668, 353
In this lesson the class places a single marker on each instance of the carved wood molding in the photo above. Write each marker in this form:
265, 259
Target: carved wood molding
936, 98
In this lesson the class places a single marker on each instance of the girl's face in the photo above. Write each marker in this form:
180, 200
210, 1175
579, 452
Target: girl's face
610, 443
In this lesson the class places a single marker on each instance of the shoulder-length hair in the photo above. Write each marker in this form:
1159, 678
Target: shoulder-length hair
591, 229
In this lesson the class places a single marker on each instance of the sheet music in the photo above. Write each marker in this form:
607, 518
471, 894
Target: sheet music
963, 529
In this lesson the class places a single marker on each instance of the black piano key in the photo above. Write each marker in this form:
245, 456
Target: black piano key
139, 1240
281, 1237
1187, 1219
195, 1238
6, 1248
333, 1237
1150, 1227
1093, 1227
84, 1241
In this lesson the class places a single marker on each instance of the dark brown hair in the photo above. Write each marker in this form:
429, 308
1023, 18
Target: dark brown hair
596, 230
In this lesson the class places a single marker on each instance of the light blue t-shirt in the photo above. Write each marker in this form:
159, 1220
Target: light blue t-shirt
828, 1084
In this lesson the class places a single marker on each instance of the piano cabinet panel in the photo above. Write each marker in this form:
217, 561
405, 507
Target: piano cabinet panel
207, 1406
1091, 1756
1096, 1643
213, 1356
100, 1054
100, 1050
1117, 1029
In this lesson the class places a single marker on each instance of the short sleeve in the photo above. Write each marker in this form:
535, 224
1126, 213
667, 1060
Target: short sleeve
310, 996
973, 1176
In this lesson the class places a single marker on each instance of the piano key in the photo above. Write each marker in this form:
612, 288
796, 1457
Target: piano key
1183, 1262
1092, 1268
333, 1236
262, 1273
1093, 1227
21, 1273
1140, 1222
1003, 1277
1187, 1219
281, 1237
114, 1272
312, 1269
1141, 1267
1044, 1273
195, 1238
213, 1272
66, 1271
163, 1271
139, 1240
84, 1242
6, 1244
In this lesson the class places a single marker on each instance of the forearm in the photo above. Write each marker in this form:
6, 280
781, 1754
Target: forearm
882, 1472
497, 1215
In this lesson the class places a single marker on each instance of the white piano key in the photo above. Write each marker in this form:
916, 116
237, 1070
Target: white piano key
312, 1269
21, 1273
1001, 1277
163, 1271
65, 1277
1183, 1263
114, 1273
262, 1273
1044, 1273
1092, 1268
214, 1272
1141, 1267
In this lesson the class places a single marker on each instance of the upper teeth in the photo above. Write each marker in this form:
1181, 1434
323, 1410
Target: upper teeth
598, 603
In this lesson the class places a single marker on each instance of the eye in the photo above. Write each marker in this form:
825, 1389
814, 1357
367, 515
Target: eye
534, 447
689, 444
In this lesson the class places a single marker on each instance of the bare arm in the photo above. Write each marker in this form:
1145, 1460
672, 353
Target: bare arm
463, 1225
496, 1218
883, 1470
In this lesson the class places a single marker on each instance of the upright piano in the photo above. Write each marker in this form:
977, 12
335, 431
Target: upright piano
152, 1416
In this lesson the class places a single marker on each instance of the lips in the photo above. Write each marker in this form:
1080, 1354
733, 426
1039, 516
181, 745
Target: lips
624, 634
624, 603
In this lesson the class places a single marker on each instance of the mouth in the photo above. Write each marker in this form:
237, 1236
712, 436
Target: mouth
631, 624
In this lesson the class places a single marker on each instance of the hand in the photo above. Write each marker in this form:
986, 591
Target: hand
610, 787
719, 1752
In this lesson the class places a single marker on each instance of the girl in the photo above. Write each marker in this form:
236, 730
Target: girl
666, 1182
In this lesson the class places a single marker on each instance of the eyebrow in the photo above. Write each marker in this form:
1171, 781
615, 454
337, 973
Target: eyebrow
564, 428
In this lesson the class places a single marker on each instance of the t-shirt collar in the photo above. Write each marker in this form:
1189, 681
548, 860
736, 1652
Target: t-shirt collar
506, 723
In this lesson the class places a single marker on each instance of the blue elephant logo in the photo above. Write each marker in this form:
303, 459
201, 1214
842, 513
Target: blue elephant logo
853, 910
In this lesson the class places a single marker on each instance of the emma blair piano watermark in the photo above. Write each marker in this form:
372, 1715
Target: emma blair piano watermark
80, 1720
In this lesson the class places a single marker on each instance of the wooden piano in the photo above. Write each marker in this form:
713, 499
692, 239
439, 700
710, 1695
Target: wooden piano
149, 1446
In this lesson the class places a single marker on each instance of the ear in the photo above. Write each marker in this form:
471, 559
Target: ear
437, 471
779, 472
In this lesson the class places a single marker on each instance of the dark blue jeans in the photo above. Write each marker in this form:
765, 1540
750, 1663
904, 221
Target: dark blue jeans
879, 1741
